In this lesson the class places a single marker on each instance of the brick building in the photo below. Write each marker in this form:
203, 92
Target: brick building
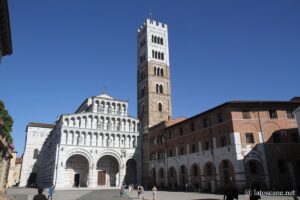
238, 143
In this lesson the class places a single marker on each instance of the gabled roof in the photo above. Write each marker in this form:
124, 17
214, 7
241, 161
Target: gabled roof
105, 96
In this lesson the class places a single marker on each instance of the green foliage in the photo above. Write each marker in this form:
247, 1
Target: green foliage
7, 121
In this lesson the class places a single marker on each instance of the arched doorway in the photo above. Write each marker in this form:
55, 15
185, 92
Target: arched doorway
210, 177
255, 174
77, 171
108, 171
162, 178
153, 177
172, 178
131, 172
195, 177
183, 176
226, 171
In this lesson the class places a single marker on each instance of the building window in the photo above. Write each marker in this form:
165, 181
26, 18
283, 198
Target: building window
170, 153
206, 145
205, 123
223, 141
161, 89
290, 114
159, 107
192, 127
181, 150
281, 166
276, 137
249, 138
181, 131
193, 148
35, 154
143, 92
273, 114
295, 137
157, 88
220, 117
252, 167
162, 72
246, 114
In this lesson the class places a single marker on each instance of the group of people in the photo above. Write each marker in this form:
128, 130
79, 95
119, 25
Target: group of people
140, 191
41, 196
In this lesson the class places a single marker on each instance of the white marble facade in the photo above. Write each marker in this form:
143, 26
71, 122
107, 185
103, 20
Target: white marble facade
97, 146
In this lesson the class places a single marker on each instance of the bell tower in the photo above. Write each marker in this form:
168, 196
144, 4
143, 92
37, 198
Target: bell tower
153, 74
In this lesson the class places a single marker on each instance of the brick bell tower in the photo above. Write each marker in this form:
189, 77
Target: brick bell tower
153, 74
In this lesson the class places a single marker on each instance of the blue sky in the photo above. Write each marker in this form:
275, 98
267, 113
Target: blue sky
65, 51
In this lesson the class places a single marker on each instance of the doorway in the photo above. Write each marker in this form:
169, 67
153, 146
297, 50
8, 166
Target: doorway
76, 180
101, 177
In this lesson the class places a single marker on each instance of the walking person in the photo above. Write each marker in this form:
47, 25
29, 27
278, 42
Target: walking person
139, 190
40, 195
154, 191
50, 192
122, 192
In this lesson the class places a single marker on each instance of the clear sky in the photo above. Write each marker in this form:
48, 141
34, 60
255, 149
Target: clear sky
65, 51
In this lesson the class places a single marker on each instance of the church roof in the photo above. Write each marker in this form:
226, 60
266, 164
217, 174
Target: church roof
105, 96
40, 125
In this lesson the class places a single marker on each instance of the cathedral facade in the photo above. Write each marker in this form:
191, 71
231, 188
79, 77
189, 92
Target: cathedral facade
97, 146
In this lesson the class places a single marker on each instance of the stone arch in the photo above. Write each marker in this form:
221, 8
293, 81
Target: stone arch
226, 173
162, 178
108, 169
77, 171
153, 177
183, 176
195, 176
254, 173
172, 178
82, 152
209, 172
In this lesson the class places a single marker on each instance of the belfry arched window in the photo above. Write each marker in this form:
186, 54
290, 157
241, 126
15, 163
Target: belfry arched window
162, 72
159, 107
157, 88
161, 89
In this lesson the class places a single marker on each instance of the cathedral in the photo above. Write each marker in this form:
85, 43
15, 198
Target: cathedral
97, 146
100, 145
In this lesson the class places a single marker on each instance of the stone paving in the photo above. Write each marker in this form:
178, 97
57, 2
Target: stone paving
114, 194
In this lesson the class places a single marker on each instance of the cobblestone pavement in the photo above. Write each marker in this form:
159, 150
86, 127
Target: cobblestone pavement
113, 194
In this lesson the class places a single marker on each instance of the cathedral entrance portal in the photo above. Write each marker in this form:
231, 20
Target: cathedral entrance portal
77, 170
108, 171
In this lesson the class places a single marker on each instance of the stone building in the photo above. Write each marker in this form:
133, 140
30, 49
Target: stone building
97, 146
238, 143
14, 171
153, 81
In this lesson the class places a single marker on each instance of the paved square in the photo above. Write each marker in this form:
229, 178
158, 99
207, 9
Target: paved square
114, 194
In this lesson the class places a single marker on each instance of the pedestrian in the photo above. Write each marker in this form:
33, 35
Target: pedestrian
50, 192
139, 190
154, 191
40, 195
122, 192
186, 187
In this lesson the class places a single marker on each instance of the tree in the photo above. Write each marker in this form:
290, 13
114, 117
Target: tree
6, 123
